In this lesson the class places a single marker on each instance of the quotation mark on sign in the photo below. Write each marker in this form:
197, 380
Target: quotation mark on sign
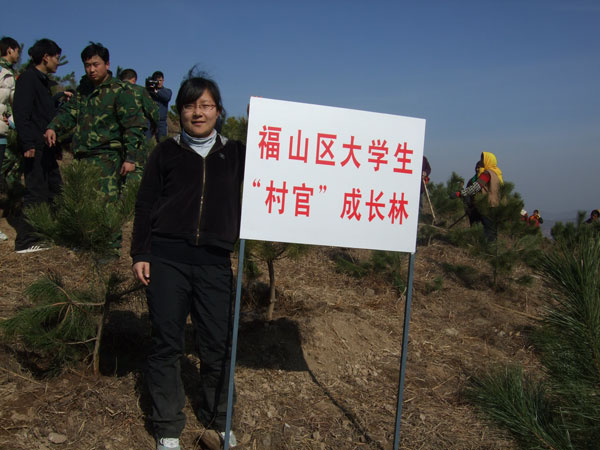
322, 188
256, 183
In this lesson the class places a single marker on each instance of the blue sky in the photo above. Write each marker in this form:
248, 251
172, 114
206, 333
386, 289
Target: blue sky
517, 78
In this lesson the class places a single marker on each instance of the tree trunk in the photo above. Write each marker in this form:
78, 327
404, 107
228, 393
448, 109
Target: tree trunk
101, 322
272, 299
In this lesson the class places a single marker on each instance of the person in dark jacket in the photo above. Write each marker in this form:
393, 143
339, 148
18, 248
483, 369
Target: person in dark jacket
425, 172
33, 109
162, 96
187, 220
593, 216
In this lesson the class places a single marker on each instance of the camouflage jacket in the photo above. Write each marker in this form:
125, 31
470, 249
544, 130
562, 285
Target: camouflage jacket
102, 118
145, 102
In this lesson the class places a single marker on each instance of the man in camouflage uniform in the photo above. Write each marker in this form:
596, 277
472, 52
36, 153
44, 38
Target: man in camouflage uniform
142, 96
107, 122
150, 111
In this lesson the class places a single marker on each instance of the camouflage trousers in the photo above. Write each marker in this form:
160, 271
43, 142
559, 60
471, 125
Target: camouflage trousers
109, 163
142, 157
136, 175
110, 181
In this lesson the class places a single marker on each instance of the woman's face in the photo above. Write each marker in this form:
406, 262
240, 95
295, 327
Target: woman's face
199, 118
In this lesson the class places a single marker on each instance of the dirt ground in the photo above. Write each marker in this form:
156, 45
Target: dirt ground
322, 375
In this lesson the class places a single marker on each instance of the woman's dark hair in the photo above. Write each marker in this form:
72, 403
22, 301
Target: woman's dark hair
41, 48
192, 88
95, 49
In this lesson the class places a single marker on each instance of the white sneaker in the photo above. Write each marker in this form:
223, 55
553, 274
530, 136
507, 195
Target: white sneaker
232, 439
34, 248
3, 237
168, 444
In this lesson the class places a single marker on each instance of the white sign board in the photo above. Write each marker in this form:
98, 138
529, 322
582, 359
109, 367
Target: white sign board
331, 176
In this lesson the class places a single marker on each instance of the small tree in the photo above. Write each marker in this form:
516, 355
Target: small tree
439, 194
269, 252
63, 323
235, 128
515, 240
564, 411
12, 170
383, 266
569, 233
173, 115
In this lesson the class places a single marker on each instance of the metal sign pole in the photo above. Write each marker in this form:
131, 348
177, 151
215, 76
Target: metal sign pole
409, 289
236, 322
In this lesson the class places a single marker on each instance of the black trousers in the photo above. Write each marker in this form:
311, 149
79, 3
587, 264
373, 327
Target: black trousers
205, 293
490, 230
42, 184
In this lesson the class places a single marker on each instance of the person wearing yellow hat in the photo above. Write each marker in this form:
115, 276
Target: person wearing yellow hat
488, 182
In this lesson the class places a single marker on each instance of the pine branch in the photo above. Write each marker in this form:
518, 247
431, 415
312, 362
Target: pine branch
520, 405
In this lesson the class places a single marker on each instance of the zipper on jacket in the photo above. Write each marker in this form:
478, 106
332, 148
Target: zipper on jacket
201, 201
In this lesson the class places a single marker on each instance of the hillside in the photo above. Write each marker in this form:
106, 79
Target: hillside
322, 375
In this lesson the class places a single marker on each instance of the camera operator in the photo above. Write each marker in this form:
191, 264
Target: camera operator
161, 96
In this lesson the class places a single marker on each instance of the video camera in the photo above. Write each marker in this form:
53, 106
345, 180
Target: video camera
151, 84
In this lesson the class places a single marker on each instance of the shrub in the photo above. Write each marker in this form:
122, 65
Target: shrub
62, 323
562, 412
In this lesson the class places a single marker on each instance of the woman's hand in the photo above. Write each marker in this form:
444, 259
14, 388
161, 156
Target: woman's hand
141, 271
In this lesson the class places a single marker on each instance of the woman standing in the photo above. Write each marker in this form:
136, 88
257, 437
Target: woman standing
489, 180
187, 220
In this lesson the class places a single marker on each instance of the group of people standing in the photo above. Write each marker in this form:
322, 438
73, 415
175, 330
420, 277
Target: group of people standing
534, 220
187, 214
105, 120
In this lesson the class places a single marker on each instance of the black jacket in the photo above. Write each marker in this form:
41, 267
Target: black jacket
33, 108
185, 196
162, 98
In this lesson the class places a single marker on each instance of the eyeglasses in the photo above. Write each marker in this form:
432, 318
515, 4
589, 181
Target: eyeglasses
205, 108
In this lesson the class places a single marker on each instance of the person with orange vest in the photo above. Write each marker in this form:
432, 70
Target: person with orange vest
535, 219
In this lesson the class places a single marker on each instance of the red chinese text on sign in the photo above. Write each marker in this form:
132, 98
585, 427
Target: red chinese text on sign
324, 153
324, 149
351, 204
379, 151
351, 147
398, 209
374, 206
403, 159
269, 142
299, 154
303, 195
277, 196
